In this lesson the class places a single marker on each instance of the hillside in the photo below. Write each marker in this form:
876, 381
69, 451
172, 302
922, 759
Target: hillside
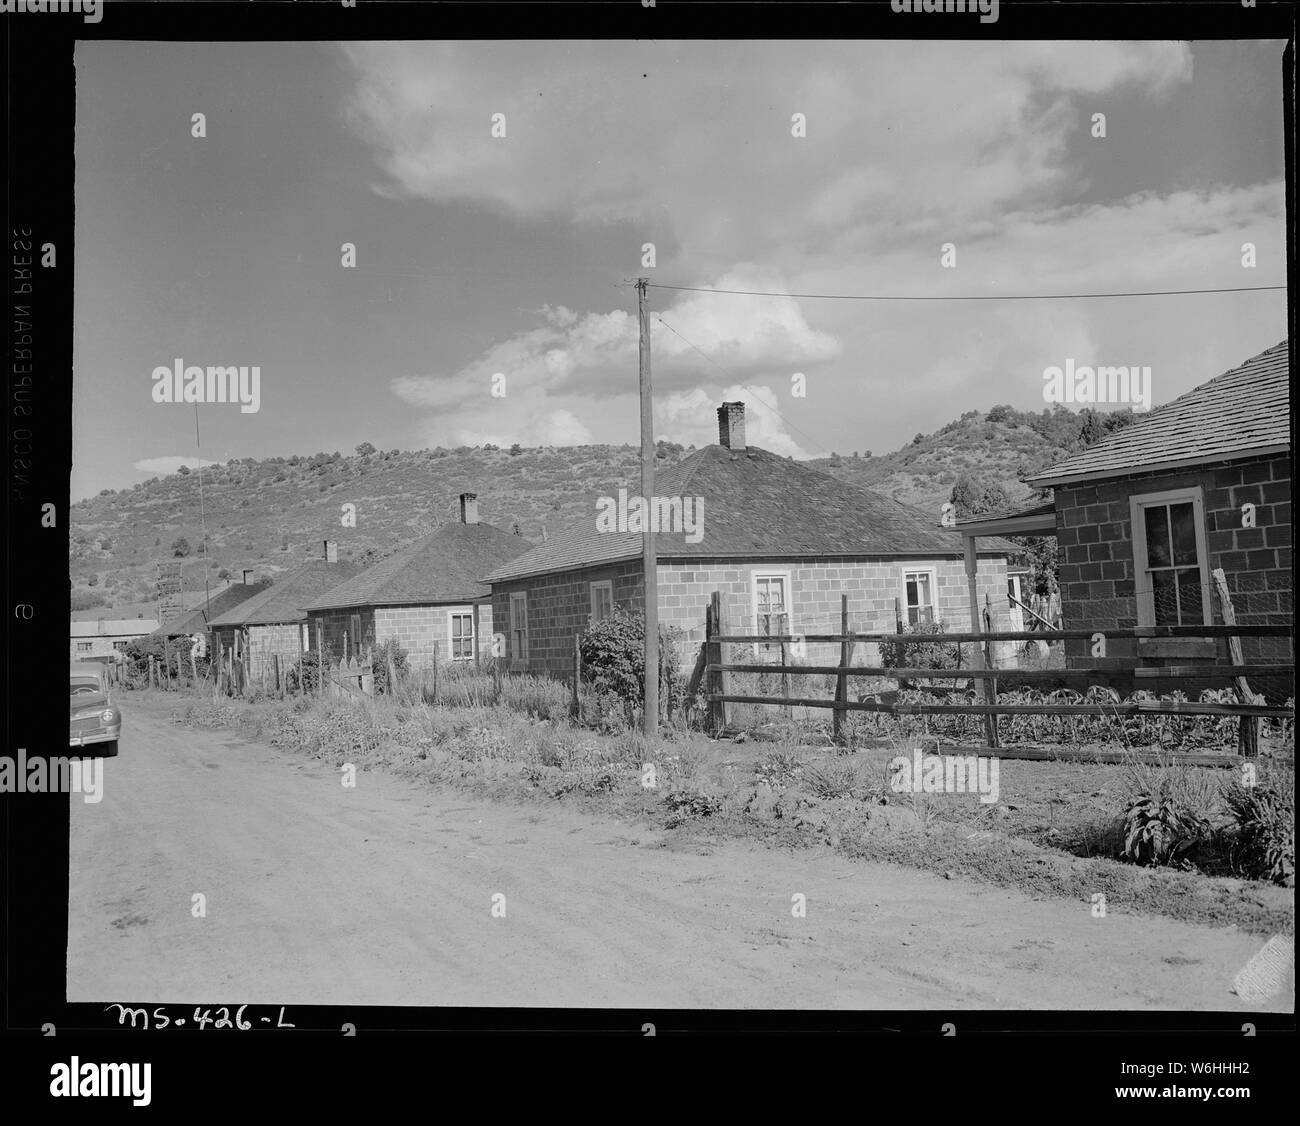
271, 515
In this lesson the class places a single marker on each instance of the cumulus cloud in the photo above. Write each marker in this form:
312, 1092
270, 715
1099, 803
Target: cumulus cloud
701, 338
685, 138
688, 145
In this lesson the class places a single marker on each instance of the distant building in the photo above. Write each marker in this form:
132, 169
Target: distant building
101, 639
430, 593
273, 623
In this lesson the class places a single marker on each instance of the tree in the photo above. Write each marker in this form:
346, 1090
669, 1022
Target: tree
1098, 424
184, 471
918, 439
516, 450
972, 496
1000, 413
365, 449
180, 547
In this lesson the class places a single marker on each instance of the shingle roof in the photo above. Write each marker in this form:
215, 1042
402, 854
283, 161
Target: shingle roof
445, 566
197, 619
285, 599
1241, 412
756, 504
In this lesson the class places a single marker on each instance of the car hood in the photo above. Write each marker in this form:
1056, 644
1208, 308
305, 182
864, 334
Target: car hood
85, 702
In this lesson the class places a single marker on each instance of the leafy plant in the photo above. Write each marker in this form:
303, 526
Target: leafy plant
613, 660
389, 649
1159, 829
1265, 830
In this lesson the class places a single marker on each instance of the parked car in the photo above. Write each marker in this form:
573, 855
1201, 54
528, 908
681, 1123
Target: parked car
93, 719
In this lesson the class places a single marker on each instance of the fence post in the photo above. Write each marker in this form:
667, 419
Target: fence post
437, 654
150, 670
575, 708
785, 675
1247, 725
898, 615
841, 681
713, 648
990, 683
320, 658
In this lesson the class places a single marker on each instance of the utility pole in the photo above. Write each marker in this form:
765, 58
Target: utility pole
650, 720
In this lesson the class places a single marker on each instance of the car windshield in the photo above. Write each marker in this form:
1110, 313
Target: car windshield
83, 685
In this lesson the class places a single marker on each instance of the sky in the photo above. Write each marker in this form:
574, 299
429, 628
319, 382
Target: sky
514, 255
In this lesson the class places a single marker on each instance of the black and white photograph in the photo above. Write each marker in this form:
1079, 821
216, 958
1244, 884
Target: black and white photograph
919, 409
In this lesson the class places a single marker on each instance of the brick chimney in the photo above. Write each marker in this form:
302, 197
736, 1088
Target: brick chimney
731, 426
331, 551
469, 508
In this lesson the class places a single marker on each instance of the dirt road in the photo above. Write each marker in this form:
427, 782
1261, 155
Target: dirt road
383, 894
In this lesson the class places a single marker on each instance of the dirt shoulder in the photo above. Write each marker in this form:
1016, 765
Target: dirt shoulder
383, 894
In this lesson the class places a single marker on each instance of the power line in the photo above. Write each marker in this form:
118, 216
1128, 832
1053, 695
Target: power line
965, 297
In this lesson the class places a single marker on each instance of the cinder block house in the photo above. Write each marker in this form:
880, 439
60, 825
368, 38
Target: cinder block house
105, 637
781, 541
428, 594
194, 624
1144, 517
274, 623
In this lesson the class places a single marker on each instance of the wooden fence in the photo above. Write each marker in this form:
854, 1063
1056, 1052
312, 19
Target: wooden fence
1249, 708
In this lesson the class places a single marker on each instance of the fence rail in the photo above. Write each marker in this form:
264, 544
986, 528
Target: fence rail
716, 672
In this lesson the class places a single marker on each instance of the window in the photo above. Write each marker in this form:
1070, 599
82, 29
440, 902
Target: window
120, 646
306, 638
602, 600
85, 646
354, 632
918, 589
771, 591
461, 631
1170, 560
519, 626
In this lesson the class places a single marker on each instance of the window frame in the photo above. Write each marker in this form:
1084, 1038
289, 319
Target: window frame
755, 575
452, 615
599, 584
1145, 594
518, 598
85, 646
933, 574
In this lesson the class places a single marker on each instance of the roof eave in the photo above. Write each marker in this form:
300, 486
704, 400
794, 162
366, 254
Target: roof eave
1050, 479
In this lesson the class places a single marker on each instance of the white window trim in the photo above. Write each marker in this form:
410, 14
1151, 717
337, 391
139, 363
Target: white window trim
933, 572
763, 573
1146, 602
451, 637
518, 598
607, 584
